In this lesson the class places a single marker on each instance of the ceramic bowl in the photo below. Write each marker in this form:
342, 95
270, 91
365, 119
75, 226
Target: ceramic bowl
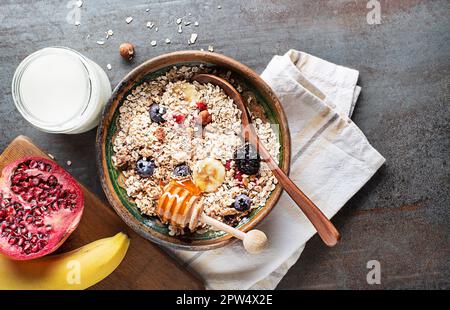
268, 106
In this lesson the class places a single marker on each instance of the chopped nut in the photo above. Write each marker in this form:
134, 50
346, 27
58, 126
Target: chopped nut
204, 118
160, 134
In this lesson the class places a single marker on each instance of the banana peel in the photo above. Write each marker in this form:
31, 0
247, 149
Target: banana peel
75, 270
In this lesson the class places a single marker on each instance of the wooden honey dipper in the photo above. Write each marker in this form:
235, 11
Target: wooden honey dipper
179, 205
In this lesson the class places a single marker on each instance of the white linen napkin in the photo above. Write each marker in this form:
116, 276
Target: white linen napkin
331, 161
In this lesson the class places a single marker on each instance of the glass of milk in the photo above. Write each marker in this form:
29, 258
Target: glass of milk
58, 90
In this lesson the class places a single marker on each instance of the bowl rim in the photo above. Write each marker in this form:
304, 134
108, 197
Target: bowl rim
129, 82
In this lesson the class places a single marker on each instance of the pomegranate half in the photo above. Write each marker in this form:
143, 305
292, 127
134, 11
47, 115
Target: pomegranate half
40, 206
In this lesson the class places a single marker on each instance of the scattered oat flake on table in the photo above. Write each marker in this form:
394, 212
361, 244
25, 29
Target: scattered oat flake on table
100, 42
129, 19
109, 33
180, 30
196, 24
153, 43
79, 3
147, 10
167, 41
108, 66
179, 20
211, 48
156, 29
150, 25
69, 163
193, 38
77, 23
187, 23
51, 156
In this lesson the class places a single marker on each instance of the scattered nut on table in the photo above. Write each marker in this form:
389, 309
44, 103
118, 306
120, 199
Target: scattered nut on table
126, 50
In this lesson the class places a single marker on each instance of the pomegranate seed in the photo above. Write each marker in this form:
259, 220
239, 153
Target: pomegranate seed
55, 206
201, 105
48, 228
63, 204
34, 181
13, 227
33, 164
21, 241
37, 212
24, 230
12, 240
2, 213
228, 164
34, 239
27, 247
35, 248
41, 166
39, 223
179, 118
52, 180
29, 219
37, 191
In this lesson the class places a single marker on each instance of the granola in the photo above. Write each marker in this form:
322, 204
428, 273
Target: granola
179, 139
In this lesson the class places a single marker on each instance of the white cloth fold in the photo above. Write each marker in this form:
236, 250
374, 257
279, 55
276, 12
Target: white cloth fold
331, 161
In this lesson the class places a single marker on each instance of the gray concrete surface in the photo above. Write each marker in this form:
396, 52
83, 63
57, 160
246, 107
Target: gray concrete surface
401, 217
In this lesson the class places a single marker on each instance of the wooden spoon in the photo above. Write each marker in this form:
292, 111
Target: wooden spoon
324, 227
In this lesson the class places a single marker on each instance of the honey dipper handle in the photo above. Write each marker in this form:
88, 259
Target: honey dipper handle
254, 241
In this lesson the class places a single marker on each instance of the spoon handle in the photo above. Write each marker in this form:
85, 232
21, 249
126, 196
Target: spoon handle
323, 225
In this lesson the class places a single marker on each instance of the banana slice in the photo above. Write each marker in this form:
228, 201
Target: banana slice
208, 174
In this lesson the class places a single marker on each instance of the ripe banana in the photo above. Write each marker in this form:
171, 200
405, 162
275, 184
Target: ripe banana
75, 270
208, 174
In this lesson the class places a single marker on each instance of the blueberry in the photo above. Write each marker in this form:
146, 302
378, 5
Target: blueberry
182, 171
242, 203
247, 159
145, 167
157, 112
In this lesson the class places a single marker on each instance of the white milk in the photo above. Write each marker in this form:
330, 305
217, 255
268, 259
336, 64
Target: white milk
60, 91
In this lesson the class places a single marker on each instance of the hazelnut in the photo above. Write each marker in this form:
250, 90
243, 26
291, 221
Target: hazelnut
126, 50
204, 118
160, 134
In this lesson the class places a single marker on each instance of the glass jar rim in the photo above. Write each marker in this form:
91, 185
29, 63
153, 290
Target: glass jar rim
58, 127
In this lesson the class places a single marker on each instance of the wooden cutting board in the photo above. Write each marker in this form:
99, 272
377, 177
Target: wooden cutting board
145, 266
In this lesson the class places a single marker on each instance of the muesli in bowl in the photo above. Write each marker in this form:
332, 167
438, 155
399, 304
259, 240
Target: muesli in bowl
170, 128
